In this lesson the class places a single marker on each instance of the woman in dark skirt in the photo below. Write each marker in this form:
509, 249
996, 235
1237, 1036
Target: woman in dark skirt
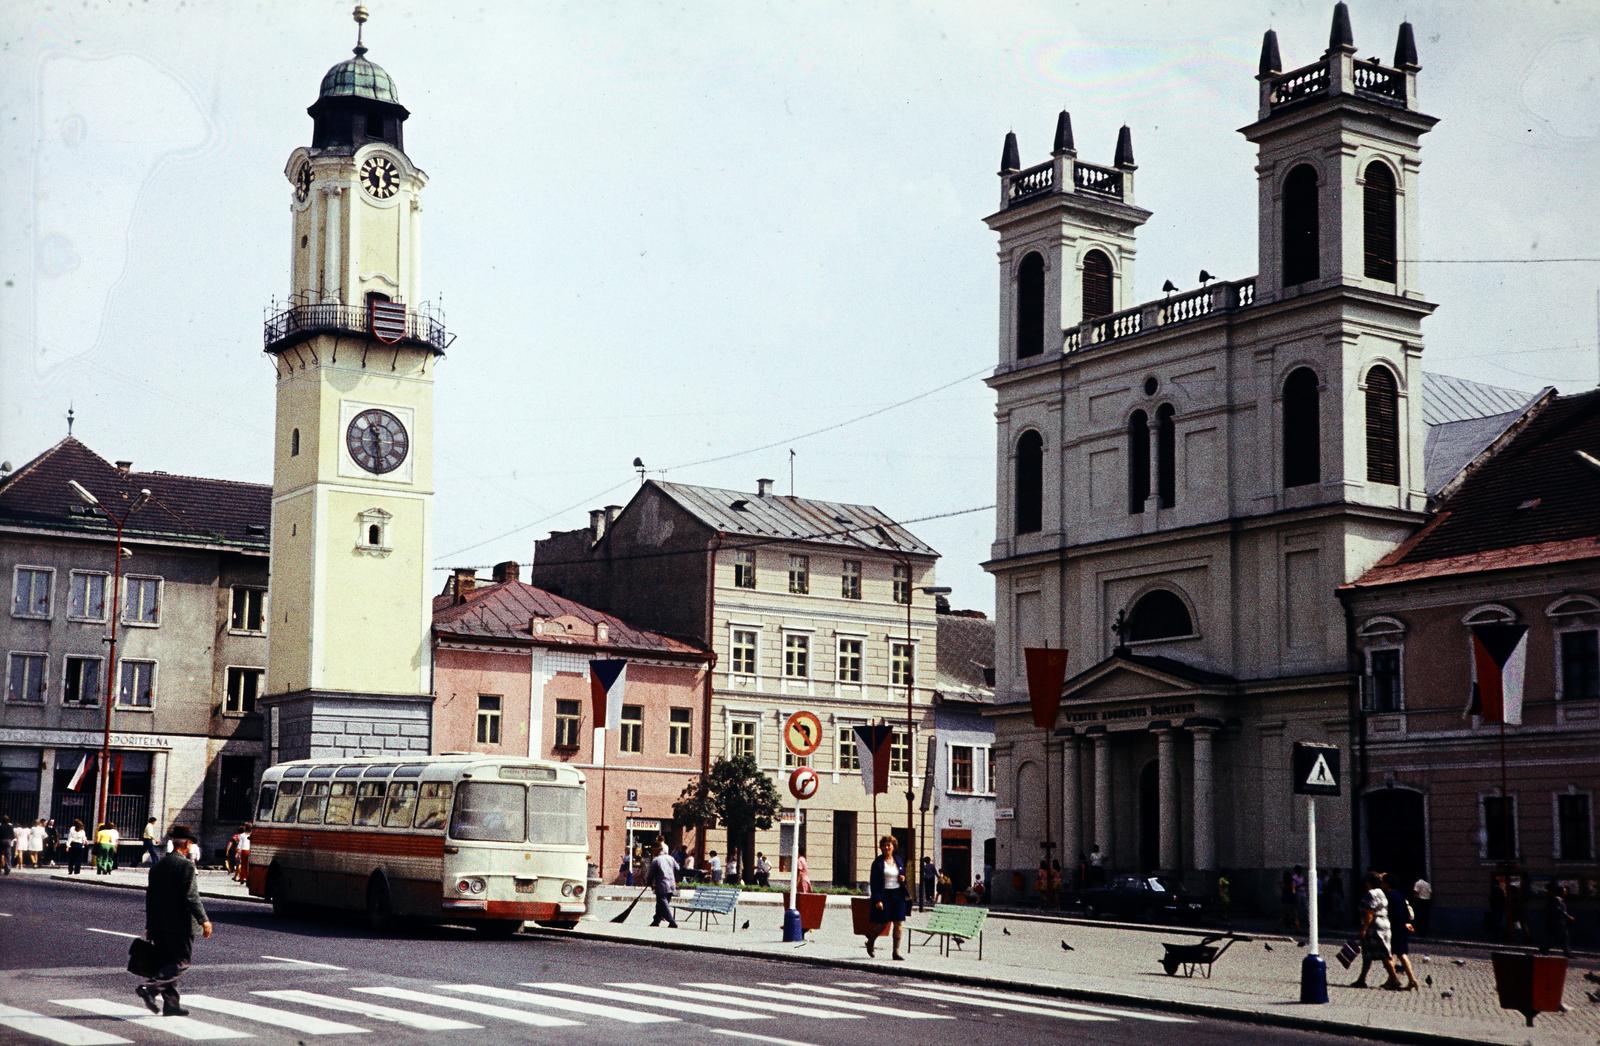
890, 899
1400, 931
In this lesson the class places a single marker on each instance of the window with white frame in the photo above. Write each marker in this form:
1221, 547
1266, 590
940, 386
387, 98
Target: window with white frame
244, 686
742, 737
86, 599
25, 679
137, 688
902, 583
141, 600
372, 531
850, 579
30, 592
1384, 687
901, 664
1575, 621
248, 610
1574, 826
81, 682
849, 755
569, 716
796, 655
1497, 828
962, 763
678, 731
743, 648
900, 753
630, 735
744, 568
988, 771
850, 660
790, 760
799, 575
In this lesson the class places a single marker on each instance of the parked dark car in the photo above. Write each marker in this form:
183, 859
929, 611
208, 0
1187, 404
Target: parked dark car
1138, 897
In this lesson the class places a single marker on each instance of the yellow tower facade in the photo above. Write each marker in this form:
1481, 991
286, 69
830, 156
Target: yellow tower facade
354, 354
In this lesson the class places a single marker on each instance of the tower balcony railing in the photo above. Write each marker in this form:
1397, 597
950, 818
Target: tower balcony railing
1025, 185
1161, 314
388, 322
1337, 73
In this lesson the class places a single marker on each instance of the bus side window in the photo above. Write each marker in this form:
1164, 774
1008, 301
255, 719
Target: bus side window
402, 804
434, 805
341, 802
312, 801
369, 802
269, 794
288, 800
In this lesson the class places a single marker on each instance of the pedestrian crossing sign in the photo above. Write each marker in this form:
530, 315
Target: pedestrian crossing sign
1315, 769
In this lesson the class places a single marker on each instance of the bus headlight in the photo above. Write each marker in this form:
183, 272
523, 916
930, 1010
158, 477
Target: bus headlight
471, 885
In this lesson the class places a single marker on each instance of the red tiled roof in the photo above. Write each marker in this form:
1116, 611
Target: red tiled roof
188, 508
505, 611
1538, 555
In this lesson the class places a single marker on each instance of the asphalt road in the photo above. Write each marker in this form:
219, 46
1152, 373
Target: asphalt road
63, 950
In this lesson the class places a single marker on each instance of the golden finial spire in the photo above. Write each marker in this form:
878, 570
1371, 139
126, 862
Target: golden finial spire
360, 16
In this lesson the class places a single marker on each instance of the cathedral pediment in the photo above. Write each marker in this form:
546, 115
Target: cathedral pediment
1126, 676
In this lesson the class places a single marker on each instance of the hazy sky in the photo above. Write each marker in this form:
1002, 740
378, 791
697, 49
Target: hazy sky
683, 231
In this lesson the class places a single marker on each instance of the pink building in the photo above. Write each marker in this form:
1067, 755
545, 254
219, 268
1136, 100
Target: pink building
511, 676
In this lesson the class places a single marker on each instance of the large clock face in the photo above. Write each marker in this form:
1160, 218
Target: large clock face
379, 177
302, 181
377, 441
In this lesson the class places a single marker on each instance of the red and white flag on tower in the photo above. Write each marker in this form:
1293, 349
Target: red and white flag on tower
79, 774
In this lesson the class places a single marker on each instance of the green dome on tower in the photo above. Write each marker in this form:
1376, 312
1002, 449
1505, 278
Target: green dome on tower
358, 78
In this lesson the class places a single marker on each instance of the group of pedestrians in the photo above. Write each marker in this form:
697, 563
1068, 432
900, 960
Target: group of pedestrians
1387, 923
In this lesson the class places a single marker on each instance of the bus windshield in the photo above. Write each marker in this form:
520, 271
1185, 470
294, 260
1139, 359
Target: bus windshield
555, 815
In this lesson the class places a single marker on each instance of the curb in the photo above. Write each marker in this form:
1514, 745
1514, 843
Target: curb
1191, 1009
212, 894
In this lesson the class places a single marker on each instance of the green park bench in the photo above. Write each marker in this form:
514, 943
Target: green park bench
709, 902
951, 923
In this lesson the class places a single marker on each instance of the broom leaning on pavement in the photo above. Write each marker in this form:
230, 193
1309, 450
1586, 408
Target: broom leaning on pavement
623, 917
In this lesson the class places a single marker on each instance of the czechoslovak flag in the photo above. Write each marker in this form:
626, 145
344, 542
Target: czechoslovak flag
606, 682
873, 743
1499, 662
78, 775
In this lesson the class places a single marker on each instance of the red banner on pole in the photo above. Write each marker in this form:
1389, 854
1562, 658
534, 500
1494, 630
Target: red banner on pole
1047, 670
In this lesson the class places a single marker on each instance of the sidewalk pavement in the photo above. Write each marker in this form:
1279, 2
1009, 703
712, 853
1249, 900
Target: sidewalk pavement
1256, 981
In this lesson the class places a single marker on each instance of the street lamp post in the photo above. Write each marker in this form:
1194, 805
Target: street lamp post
913, 865
115, 609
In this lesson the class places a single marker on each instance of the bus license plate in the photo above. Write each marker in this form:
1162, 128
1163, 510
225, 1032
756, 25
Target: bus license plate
526, 885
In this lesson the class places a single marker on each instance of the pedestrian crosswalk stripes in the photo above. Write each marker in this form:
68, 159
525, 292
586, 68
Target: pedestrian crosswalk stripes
556, 1002
182, 1027
797, 992
482, 1009
409, 1018
532, 1004
54, 1028
304, 1023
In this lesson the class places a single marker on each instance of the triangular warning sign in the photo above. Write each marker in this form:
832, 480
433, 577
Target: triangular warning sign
1321, 776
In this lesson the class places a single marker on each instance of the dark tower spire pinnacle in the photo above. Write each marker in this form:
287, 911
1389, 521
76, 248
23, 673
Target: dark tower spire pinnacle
1341, 37
1405, 48
1064, 133
1124, 157
1010, 157
1271, 61
360, 17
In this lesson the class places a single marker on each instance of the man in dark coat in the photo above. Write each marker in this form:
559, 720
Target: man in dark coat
172, 913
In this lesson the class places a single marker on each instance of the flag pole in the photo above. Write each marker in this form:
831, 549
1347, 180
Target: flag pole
1511, 842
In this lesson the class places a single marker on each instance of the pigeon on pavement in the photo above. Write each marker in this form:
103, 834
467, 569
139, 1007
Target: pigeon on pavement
746, 925
1447, 994
1067, 947
1299, 944
1005, 931
1267, 946
1459, 962
1428, 980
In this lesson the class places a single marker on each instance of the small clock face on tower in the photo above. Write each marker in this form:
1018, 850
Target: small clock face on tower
379, 177
377, 441
302, 182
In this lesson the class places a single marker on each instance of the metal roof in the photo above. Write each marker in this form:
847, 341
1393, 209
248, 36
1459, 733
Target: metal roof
1456, 399
787, 518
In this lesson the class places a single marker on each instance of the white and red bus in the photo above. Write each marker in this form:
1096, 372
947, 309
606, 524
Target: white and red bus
459, 838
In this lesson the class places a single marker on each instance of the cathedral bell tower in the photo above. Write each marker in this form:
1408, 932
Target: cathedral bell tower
354, 354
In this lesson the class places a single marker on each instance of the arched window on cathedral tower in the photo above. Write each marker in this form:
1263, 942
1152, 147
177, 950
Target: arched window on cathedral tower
1138, 461
1302, 429
1030, 306
1097, 299
1029, 487
1166, 456
1300, 262
1377, 217
1159, 614
1383, 426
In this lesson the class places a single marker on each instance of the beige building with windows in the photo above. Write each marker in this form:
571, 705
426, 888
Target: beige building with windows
805, 604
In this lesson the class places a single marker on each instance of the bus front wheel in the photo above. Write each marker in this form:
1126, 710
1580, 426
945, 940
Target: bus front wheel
380, 912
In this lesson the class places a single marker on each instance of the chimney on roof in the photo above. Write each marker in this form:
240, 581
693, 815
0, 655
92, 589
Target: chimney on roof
510, 570
763, 488
536, 625
612, 512
124, 467
466, 579
597, 523
602, 633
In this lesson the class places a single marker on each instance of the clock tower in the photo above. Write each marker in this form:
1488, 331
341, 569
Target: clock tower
354, 353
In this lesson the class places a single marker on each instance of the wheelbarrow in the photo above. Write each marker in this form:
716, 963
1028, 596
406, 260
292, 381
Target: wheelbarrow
1196, 956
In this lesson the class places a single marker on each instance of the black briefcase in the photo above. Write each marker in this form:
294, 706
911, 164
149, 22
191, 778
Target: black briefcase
142, 959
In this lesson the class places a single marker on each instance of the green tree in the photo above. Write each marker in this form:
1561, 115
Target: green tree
735, 794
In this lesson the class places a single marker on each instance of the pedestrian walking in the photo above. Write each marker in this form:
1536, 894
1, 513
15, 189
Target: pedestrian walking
36, 843
1400, 926
19, 843
625, 871
715, 864
8, 838
763, 869
1558, 921
663, 879
244, 852
152, 836
804, 884
887, 886
105, 848
1422, 901
733, 874
172, 914
52, 842
1374, 936
77, 846
1301, 895
929, 879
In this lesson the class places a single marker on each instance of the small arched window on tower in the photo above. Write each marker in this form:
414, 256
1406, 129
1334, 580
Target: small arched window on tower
1138, 461
294, 443
1383, 426
1166, 456
1377, 217
1030, 306
1300, 226
1302, 430
1029, 491
1159, 614
1096, 285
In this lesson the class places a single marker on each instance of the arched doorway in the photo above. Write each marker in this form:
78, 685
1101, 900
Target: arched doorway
1149, 817
1396, 834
